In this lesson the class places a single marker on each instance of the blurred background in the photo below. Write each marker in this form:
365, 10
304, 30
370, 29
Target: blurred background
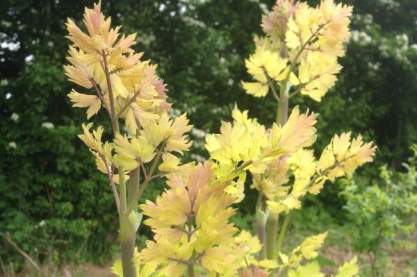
56, 208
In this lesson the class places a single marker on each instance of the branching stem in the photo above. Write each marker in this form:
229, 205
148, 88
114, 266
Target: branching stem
131, 100
114, 120
283, 231
127, 228
273, 244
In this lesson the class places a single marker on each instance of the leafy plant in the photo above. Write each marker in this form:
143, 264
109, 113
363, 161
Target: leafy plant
382, 211
190, 220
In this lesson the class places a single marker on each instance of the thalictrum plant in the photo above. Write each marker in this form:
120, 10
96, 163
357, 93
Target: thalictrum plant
193, 234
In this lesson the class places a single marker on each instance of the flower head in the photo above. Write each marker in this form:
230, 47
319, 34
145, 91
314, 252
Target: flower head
191, 221
102, 61
303, 44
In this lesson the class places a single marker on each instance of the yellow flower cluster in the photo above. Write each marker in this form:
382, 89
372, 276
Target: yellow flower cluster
300, 50
247, 145
133, 89
276, 154
344, 155
239, 142
295, 262
191, 225
170, 134
340, 158
103, 62
307, 250
101, 151
265, 66
299, 54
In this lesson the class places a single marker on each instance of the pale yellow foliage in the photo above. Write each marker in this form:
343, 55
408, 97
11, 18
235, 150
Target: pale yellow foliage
298, 132
131, 152
172, 133
80, 100
191, 219
349, 269
101, 151
142, 270
317, 74
170, 163
102, 60
300, 50
309, 270
265, 66
240, 141
307, 250
343, 155
247, 145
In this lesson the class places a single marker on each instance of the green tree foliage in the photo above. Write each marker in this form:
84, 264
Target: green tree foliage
47, 201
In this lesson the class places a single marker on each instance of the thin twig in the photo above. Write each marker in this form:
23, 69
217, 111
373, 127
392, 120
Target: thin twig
303, 85
300, 51
109, 170
116, 70
115, 194
100, 94
309, 40
115, 123
154, 177
189, 235
178, 261
128, 103
270, 83
149, 176
145, 173
115, 127
7, 238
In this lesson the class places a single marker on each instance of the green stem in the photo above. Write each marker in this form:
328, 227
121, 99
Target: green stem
127, 238
191, 270
271, 230
123, 192
273, 245
287, 219
260, 224
128, 264
282, 114
190, 231
127, 228
133, 189
283, 232
273, 220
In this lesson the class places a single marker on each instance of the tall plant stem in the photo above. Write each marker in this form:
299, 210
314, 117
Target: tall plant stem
283, 231
189, 230
282, 111
271, 232
260, 224
191, 270
127, 253
273, 219
127, 226
272, 244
